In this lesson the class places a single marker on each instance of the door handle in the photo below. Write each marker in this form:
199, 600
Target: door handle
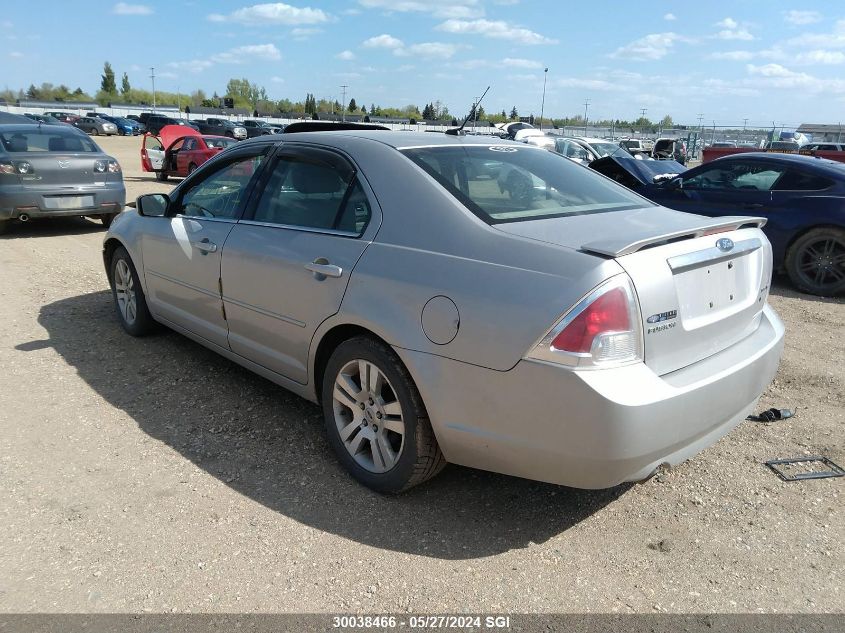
322, 268
205, 245
752, 205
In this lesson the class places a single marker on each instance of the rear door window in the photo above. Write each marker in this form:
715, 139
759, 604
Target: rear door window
794, 180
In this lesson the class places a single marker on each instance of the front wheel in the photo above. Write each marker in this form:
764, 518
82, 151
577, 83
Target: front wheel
815, 263
129, 300
375, 418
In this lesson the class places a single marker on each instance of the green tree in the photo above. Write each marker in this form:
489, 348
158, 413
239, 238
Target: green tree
504, 115
514, 114
107, 84
666, 121
353, 107
125, 88
32, 92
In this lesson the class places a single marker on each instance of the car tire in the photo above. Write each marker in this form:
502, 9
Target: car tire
191, 168
388, 458
94, 132
815, 262
161, 176
107, 219
130, 304
230, 134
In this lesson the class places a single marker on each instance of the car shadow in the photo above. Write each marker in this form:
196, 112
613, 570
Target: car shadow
269, 445
782, 287
52, 227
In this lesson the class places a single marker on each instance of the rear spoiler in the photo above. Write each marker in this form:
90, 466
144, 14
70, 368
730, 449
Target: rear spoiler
330, 126
617, 247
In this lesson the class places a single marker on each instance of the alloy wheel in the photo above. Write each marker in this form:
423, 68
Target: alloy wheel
124, 286
822, 263
368, 416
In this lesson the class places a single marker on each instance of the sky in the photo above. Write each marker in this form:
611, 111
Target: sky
767, 61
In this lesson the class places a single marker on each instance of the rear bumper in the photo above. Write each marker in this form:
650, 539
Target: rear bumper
15, 201
592, 429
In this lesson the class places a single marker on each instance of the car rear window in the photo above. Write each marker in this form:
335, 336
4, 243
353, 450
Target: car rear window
217, 141
46, 140
509, 183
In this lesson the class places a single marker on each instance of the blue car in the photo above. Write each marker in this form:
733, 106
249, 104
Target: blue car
801, 197
125, 127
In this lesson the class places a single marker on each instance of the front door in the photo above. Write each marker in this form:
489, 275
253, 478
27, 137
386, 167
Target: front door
182, 252
286, 265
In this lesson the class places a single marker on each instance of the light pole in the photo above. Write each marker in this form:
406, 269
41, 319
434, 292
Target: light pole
153, 77
586, 105
543, 102
343, 105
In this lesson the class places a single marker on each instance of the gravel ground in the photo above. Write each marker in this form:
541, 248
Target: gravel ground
152, 475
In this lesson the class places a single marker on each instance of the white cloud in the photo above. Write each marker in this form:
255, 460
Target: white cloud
588, 84
437, 8
167, 75
834, 39
300, 33
346, 56
122, 8
383, 41
651, 47
732, 30
734, 56
238, 55
496, 29
670, 17
16, 54
820, 57
800, 18
518, 62
429, 50
277, 80
273, 13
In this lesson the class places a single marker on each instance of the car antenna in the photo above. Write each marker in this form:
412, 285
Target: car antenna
459, 131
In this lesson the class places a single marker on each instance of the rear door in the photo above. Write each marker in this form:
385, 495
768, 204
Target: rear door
286, 266
182, 251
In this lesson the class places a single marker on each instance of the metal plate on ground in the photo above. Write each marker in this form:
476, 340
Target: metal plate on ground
814, 467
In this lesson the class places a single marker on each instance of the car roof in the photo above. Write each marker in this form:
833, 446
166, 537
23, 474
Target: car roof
36, 127
832, 167
591, 139
397, 140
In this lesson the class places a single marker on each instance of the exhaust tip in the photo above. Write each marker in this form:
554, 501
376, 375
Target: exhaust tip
23, 217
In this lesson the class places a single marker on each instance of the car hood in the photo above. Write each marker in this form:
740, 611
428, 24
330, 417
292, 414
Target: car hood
169, 134
615, 233
643, 171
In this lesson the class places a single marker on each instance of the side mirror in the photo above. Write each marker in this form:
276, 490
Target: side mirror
152, 205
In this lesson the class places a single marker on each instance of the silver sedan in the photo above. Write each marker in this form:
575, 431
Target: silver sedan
459, 299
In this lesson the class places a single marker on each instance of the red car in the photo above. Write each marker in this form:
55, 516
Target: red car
178, 150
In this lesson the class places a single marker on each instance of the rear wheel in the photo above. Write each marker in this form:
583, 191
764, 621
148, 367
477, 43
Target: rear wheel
815, 263
129, 300
107, 219
375, 418
191, 168
94, 132
161, 175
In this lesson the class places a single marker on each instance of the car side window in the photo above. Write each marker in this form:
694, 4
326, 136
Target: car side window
735, 176
189, 144
794, 180
221, 193
151, 142
304, 191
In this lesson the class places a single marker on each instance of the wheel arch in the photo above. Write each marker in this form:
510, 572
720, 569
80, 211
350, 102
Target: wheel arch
109, 247
803, 231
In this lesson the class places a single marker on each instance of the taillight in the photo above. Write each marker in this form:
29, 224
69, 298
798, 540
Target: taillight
103, 166
603, 329
17, 168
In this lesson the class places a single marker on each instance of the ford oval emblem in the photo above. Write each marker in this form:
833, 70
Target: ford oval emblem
725, 244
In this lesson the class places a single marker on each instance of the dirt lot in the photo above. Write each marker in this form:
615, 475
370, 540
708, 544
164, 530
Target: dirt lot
152, 475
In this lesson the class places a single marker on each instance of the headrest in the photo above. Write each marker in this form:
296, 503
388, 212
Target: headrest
17, 144
308, 178
64, 144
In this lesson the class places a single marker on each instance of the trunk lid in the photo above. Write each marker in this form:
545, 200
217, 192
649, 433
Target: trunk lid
59, 168
701, 282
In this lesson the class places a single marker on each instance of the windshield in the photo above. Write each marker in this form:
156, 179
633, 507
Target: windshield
605, 149
216, 141
46, 140
504, 183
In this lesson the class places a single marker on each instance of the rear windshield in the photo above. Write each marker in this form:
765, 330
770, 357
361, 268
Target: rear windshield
508, 183
46, 139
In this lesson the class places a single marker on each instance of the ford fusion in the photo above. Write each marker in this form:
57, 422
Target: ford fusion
459, 299
56, 170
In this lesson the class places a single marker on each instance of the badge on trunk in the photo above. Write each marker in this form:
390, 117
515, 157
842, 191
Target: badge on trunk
725, 244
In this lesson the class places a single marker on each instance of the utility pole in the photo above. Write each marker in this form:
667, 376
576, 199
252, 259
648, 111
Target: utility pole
744, 125
343, 108
642, 112
475, 112
153, 77
586, 106
543, 103
713, 135
700, 143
